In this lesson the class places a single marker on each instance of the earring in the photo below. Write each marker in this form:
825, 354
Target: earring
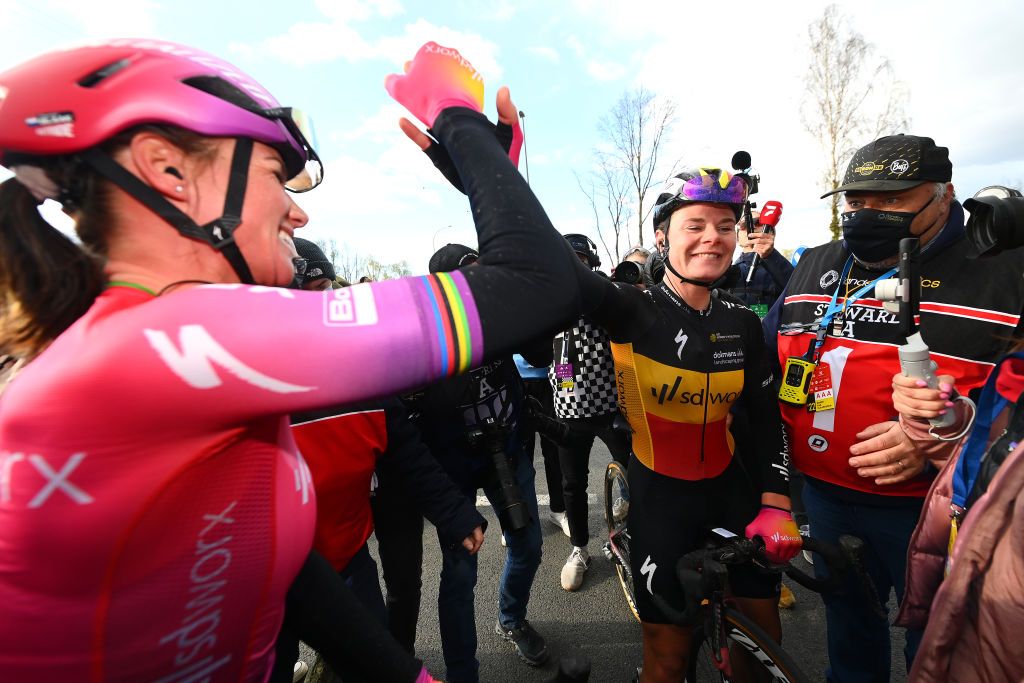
179, 188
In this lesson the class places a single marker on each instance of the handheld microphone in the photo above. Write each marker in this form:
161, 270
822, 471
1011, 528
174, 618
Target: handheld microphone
771, 212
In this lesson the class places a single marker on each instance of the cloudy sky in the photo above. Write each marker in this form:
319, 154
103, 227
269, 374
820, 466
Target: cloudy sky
734, 69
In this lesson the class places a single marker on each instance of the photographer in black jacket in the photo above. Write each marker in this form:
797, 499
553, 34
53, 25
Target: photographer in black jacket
473, 423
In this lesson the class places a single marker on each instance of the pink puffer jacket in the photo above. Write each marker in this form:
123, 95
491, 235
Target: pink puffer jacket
978, 610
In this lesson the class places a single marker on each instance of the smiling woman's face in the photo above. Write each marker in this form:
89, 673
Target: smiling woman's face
702, 238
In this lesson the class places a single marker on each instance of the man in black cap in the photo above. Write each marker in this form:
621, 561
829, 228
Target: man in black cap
864, 476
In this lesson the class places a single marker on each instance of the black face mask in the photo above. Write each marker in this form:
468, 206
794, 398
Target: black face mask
874, 235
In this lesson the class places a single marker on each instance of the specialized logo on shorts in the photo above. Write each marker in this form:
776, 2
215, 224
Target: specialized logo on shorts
648, 570
817, 443
899, 167
828, 279
350, 306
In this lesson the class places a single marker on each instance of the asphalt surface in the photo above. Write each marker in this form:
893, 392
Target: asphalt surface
593, 622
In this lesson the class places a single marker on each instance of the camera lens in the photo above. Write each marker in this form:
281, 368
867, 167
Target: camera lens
627, 272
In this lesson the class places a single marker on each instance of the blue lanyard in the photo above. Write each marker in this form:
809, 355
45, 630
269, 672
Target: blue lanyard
969, 464
834, 307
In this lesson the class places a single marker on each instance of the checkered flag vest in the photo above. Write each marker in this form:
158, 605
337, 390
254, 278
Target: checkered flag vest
583, 374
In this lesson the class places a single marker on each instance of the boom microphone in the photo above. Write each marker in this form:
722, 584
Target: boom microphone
771, 212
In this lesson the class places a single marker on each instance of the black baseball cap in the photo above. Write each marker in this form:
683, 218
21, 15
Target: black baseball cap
452, 257
896, 162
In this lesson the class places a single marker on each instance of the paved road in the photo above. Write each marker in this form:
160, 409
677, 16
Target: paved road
594, 621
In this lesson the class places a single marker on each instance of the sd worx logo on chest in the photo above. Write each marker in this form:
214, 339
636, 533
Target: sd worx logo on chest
667, 394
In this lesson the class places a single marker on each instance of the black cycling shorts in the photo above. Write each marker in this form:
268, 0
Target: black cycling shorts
669, 517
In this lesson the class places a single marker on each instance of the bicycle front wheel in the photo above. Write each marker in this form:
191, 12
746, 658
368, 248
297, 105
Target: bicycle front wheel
616, 509
768, 661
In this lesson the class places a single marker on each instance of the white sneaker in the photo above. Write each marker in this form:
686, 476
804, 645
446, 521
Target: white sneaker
300, 671
504, 544
620, 508
805, 530
575, 567
560, 519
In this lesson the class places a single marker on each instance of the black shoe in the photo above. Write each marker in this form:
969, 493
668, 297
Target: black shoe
529, 644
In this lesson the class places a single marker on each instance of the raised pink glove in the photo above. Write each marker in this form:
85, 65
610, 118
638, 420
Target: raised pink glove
438, 77
777, 529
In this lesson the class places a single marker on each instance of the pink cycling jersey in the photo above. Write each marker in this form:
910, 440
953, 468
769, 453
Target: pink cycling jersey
153, 506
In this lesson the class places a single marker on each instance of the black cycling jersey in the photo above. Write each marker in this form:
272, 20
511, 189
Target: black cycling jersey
679, 371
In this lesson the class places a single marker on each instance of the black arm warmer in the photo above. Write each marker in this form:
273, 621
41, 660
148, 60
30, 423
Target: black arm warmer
527, 280
761, 405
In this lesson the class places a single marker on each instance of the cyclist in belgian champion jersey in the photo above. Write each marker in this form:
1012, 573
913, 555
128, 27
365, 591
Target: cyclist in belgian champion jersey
684, 356
153, 506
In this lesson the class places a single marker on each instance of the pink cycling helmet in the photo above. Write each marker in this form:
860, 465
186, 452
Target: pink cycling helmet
67, 101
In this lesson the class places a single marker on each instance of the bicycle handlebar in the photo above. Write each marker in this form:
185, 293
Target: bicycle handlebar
703, 571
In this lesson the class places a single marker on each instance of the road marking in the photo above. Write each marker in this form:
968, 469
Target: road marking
543, 499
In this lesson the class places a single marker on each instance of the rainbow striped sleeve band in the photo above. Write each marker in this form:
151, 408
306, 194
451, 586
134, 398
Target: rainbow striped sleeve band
458, 338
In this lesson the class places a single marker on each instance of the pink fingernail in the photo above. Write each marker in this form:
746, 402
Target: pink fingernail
946, 386
942, 412
921, 383
943, 396
949, 404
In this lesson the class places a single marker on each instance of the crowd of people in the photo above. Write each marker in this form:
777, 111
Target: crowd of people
186, 492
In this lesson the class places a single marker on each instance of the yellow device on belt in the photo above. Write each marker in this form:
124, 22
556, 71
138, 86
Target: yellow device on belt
796, 381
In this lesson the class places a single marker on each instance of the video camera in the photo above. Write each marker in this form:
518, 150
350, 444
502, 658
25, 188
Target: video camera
487, 440
997, 221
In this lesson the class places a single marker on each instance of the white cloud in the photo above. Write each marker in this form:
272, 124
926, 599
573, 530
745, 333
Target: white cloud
306, 43
605, 71
546, 53
106, 18
356, 10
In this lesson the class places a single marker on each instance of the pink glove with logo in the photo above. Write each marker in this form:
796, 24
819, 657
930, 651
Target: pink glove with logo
777, 529
438, 77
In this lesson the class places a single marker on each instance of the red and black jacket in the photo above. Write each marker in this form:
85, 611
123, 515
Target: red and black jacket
969, 311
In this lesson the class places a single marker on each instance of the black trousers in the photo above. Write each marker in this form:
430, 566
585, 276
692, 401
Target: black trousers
575, 464
323, 611
541, 390
399, 530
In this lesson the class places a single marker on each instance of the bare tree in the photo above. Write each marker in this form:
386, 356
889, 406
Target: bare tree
852, 97
376, 270
607, 188
637, 128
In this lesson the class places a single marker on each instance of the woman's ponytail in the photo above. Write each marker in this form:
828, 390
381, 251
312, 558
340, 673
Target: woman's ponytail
47, 281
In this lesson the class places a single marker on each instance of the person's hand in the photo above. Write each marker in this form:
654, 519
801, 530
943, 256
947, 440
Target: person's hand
912, 398
779, 532
473, 542
886, 453
763, 243
508, 133
438, 77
